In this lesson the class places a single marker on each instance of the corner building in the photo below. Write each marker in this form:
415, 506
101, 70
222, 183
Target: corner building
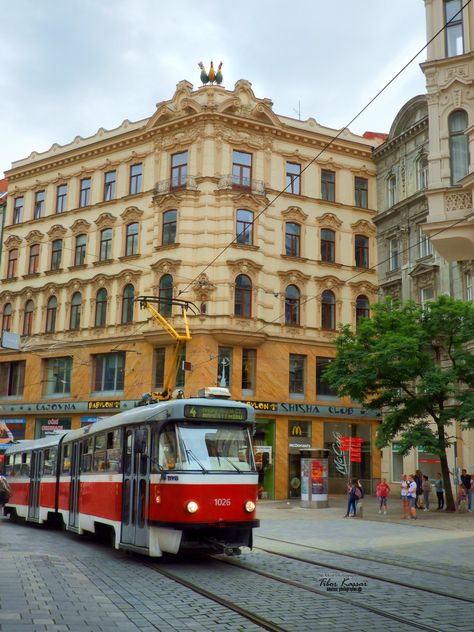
188, 203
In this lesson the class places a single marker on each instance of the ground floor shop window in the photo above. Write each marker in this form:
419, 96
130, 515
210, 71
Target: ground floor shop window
299, 438
340, 468
397, 463
428, 463
264, 450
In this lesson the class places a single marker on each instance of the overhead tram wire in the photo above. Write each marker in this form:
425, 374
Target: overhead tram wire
328, 144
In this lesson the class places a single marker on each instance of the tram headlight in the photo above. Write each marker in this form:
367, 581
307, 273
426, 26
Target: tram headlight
192, 506
249, 506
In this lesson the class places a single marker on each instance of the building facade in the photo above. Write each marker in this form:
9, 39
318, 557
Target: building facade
191, 203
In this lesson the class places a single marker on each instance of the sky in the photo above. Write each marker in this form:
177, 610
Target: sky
70, 67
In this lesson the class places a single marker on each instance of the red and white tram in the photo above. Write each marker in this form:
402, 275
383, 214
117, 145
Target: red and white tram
165, 477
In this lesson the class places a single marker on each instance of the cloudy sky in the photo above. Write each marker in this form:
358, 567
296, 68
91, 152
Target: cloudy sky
72, 66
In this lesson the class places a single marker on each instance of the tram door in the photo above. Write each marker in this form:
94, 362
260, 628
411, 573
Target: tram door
35, 482
75, 485
136, 478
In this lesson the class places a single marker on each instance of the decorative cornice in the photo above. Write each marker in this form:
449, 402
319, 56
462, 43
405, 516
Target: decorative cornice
295, 213
329, 220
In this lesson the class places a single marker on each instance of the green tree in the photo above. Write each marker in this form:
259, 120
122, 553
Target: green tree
415, 365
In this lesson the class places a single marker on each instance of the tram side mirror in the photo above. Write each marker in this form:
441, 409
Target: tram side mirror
140, 441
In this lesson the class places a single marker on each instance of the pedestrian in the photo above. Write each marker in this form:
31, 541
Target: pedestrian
419, 487
471, 495
383, 490
426, 487
403, 494
439, 487
466, 482
411, 495
359, 496
351, 499
462, 497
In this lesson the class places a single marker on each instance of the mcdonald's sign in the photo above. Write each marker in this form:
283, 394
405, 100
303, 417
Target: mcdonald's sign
299, 429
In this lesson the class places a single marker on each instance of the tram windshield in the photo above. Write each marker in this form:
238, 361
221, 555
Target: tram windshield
208, 448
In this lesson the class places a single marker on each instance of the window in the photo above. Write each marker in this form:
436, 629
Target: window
131, 245
244, 228
322, 389
454, 30
109, 186
56, 253
292, 239
7, 317
426, 248
328, 310
293, 178
28, 318
297, 375
101, 308
422, 173
61, 198
51, 310
33, 261
224, 366
397, 463
392, 190
458, 145
394, 259
160, 356
127, 303
328, 185
58, 376
361, 251
241, 169
105, 244
328, 245
12, 378
426, 294
39, 204
292, 305
361, 192
109, 369
249, 371
468, 286
80, 250
75, 318
362, 308
166, 295
18, 210
135, 179
12, 263
181, 373
179, 169
85, 192
243, 296
169, 227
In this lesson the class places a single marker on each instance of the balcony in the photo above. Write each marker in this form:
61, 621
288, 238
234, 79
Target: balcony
186, 183
230, 182
450, 224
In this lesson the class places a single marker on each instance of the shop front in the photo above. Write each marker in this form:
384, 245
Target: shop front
341, 467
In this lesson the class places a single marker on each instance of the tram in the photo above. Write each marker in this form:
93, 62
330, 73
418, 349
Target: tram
161, 478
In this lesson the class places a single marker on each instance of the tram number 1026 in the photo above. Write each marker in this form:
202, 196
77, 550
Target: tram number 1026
222, 502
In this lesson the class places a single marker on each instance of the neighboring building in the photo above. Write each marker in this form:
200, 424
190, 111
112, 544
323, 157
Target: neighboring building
3, 206
188, 203
409, 266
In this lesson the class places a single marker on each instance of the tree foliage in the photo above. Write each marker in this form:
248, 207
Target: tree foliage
415, 365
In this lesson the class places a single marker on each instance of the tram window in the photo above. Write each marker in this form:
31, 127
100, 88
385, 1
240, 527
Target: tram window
8, 464
15, 464
66, 459
167, 449
99, 452
86, 461
48, 461
25, 463
128, 451
114, 463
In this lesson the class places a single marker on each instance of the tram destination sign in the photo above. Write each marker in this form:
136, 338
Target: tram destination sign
215, 413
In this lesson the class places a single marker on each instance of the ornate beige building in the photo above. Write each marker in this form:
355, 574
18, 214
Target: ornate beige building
191, 203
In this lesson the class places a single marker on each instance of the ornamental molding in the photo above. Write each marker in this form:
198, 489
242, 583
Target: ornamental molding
33, 237
293, 277
128, 276
363, 287
56, 231
363, 226
101, 281
329, 220
295, 213
458, 201
12, 242
328, 282
105, 220
203, 287
242, 200
165, 266
131, 213
80, 226
245, 266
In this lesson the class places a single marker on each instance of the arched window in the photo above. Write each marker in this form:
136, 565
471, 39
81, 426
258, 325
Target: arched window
51, 310
328, 310
362, 308
28, 318
7, 317
328, 245
361, 251
12, 263
75, 318
101, 308
244, 227
127, 303
392, 190
422, 172
165, 295
292, 239
292, 305
243, 296
458, 145
131, 246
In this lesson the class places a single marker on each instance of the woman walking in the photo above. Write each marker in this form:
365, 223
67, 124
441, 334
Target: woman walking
351, 499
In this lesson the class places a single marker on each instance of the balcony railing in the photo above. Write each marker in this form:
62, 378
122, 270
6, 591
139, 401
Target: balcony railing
187, 183
244, 184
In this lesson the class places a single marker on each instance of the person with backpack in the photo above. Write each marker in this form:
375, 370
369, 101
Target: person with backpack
411, 496
383, 490
351, 499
